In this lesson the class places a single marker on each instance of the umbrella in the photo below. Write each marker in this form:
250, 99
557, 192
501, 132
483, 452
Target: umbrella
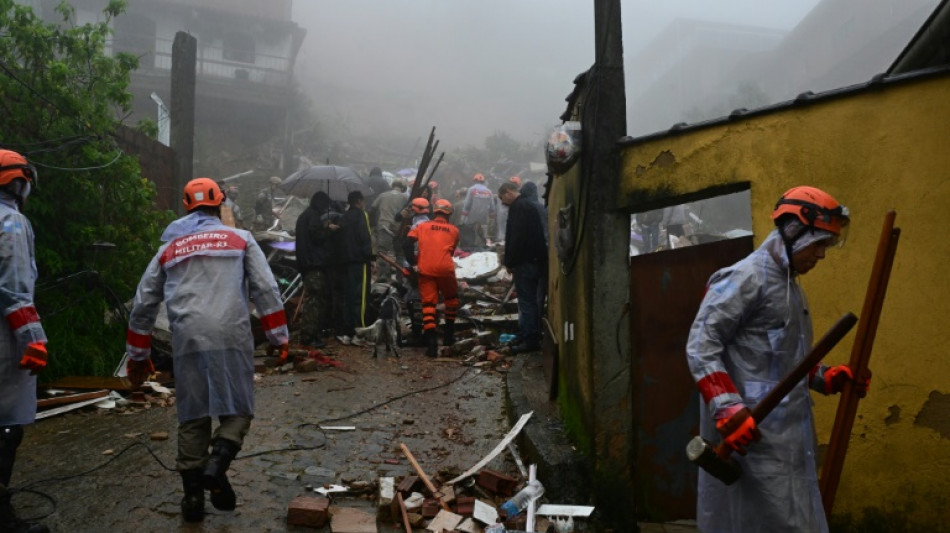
336, 181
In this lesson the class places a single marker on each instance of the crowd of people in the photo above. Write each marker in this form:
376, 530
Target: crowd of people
342, 252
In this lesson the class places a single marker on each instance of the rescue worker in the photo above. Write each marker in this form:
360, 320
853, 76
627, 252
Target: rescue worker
382, 216
753, 327
264, 205
429, 250
357, 245
22, 339
478, 209
420, 208
204, 274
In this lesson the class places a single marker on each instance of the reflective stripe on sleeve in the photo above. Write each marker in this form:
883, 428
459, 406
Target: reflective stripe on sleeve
22, 317
716, 384
274, 320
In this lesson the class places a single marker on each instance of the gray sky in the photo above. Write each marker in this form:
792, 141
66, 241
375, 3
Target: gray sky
473, 67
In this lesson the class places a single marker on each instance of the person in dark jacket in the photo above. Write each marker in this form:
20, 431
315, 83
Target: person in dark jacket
530, 192
525, 258
357, 255
377, 183
314, 231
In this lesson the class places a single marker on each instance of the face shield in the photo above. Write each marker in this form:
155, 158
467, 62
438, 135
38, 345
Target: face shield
21, 186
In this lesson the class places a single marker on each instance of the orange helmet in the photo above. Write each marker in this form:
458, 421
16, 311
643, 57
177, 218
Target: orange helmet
13, 166
420, 206
444, 207
814, 208
433, 185
479, 178
516, 180
202, 191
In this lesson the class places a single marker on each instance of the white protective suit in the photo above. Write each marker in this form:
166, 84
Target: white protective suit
754, 326
203, 272
22, 325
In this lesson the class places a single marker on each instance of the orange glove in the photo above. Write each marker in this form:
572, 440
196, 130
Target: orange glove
282, 350
739, 430
34, 357
836, 376
139, 371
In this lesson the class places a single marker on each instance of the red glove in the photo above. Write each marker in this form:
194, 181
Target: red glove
739, 430
283, 350
139, 371
836, 376
34, 357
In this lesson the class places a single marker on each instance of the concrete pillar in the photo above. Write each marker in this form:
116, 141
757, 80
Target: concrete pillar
182, 135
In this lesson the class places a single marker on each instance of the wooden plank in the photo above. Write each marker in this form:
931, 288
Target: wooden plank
92, 383
72, 398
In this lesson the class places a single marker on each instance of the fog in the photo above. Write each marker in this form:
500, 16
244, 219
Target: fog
472, 68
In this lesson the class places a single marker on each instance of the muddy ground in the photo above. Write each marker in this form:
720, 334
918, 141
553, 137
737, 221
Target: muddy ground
99, 470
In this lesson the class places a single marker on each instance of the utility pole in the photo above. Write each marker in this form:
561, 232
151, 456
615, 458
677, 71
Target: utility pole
182, 135
604, 122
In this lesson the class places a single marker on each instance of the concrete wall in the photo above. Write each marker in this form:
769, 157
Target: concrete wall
874, 149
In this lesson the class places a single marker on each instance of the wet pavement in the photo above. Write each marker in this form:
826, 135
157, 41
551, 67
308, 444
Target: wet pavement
100, 470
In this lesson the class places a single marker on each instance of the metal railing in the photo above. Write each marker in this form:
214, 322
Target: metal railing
211, 62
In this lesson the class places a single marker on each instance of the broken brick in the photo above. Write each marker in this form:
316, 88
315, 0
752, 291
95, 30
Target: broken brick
465, 505
496, 482
308, 511
430, 507
408, 485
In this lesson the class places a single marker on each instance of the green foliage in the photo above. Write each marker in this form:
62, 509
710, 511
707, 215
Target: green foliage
61, 98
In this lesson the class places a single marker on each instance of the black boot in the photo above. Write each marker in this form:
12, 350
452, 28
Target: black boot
449, 336
10, 523
215, 475
193, 503
432, 343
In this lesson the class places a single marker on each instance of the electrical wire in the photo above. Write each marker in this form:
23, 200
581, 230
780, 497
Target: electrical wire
79, 169
387, 402
28, 487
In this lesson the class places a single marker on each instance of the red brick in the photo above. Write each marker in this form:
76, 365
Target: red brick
465, 505
308, 511
496, 482
430, 508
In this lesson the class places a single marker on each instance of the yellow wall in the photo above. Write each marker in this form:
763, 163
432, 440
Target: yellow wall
873, 150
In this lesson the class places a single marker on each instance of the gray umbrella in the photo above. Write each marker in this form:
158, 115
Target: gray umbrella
336, 181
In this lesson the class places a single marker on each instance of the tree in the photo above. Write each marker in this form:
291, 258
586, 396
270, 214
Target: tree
61, 98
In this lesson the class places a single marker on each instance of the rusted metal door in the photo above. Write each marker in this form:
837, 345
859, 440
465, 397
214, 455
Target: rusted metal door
666, 289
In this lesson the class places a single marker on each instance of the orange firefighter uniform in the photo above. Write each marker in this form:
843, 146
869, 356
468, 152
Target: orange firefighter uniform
430, 248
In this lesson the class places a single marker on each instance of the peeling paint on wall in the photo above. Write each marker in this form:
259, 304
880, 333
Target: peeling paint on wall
664, 160
935, 414
894, 416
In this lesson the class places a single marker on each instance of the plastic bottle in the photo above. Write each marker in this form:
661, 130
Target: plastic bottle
519, 502
496, 528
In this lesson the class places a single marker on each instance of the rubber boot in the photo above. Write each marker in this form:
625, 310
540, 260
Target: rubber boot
193, 503
215, 475
448, 338
432, 343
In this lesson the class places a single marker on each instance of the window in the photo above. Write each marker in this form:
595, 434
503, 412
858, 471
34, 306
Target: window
239, 47
714, 219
